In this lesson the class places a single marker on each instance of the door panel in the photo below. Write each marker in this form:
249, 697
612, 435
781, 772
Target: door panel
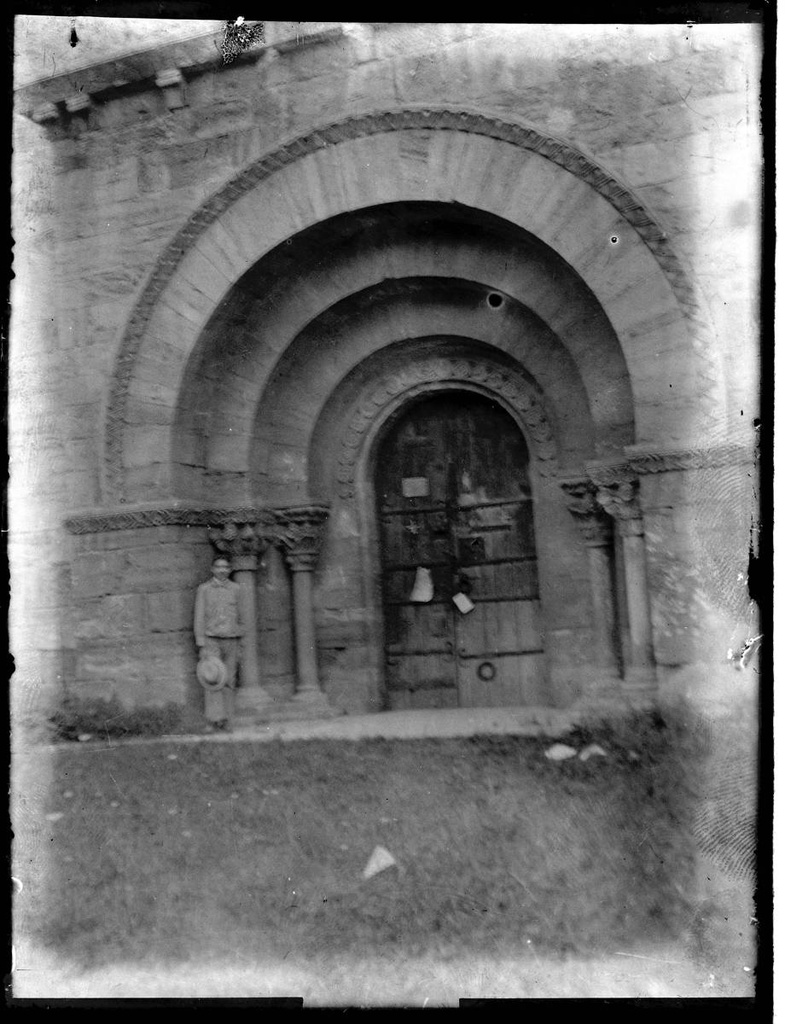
453, 498
518, 680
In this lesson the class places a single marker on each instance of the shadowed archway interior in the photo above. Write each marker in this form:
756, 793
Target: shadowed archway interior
304, 317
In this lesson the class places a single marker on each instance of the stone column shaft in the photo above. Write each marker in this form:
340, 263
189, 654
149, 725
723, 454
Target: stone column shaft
249, 665
304, 635
242, 545
638, 611
620, 499
301, 531
603, 606
598, 535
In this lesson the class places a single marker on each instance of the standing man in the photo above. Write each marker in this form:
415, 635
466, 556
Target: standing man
218, 627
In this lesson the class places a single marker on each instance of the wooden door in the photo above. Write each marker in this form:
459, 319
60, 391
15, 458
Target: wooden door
453, 499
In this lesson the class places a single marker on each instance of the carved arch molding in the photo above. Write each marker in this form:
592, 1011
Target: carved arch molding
521, 396
355, 127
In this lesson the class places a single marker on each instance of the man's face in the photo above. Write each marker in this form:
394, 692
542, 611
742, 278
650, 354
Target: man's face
221, 569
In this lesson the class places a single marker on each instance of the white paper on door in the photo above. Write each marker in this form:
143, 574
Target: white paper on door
463, 603
422, 591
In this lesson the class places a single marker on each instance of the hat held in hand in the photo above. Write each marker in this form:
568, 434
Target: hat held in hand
211, 672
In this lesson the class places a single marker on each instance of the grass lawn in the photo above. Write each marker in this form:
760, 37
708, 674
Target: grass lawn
167, 853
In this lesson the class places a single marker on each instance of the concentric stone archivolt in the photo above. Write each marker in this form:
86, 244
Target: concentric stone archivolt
355, 127
518, 392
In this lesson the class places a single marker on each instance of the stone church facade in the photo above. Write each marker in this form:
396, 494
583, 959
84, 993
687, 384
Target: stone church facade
372, 307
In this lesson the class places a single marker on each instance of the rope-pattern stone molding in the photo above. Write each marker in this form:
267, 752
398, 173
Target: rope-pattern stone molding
643, 461
229, 524
141, 518
354, 127
521, 395
611, 472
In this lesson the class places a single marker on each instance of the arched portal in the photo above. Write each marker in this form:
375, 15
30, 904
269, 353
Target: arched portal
342, 467
464, 162
256, 368
459, 581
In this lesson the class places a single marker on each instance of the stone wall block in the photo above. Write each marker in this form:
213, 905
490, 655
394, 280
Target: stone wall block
223, 117
123, 614
160, 567
276, 650
110, 671
170, 611
170, 664
96, 574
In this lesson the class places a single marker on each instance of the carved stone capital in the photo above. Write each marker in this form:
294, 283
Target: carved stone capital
582, 503
239, 541
300, 532
620, 500
618, 471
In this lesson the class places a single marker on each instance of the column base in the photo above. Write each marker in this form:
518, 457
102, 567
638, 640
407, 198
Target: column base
308, 695
314, 701
601, 688
640, 683
289, 710
249, 699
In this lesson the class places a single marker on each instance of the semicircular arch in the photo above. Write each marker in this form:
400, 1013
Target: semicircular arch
509, 170
407, 319
478, 370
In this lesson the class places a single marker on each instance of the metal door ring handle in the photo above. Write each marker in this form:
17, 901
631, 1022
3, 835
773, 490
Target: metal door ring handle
486, 671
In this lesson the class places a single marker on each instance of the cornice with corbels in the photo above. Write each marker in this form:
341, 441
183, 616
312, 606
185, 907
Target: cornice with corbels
167, 67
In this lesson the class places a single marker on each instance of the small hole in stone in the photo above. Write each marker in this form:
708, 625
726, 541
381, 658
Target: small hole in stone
495, 300
614, 239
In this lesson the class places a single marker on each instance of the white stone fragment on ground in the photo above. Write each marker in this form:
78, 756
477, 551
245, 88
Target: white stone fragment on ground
593, 750
84, 737
380, 860
560, 752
